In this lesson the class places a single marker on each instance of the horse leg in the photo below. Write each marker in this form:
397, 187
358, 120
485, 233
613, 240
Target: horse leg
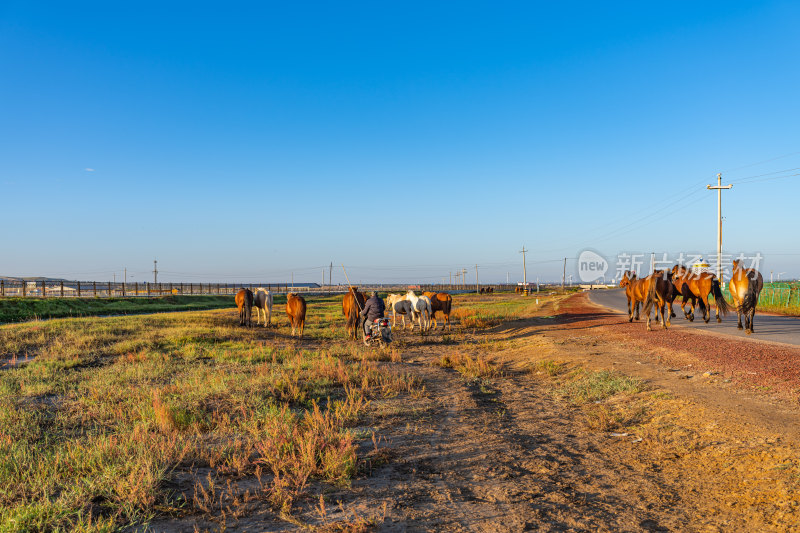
703, 301
752, 316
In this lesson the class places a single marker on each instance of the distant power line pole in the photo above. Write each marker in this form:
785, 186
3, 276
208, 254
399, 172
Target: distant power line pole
155, 271
464, 277
564, 274
476, 280
719, 188
330, 275
524, 271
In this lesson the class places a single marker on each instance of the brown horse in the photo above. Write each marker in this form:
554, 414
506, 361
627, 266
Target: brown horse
745, 286
440, 301
296, 310
697, 287
244, 301
634, 291
659, 290
352, 304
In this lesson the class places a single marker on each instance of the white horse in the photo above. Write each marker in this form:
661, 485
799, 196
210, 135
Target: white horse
262, 301
403, 309
420, 309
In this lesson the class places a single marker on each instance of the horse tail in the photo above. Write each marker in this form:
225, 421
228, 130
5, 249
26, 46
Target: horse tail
750, 296
446, 305
651, 296
719, 299
352, 317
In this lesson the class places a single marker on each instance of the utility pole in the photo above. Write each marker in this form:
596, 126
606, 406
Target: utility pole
323, 278
524, 272
330, 276
719, 188
155, 271
293, 281
464, 277
126, 275
652, 262
451, 278
477, 289
564, 274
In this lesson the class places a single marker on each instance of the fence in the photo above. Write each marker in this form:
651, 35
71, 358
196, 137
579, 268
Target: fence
107, 289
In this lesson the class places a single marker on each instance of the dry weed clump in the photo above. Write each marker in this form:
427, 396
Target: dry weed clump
468, 366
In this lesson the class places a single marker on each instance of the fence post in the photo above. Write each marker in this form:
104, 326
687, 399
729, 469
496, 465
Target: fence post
148, 288
109, 289
94, 288
170, 288
123, 289
136, 288
44, 289
79, 289
2, 288
62, 289
24, 289
191, 288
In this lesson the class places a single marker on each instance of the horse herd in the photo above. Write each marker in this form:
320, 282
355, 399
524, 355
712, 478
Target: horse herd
662, 287
262, 301
423, 309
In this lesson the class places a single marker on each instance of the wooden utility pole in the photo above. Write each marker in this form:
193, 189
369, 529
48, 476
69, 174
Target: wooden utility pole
155, 271
719, 188
524, 272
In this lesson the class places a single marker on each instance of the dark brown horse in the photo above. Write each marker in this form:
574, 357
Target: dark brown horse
696, 288
745, 286
244, 301
440, 301
659, 290
352, 304
296, 310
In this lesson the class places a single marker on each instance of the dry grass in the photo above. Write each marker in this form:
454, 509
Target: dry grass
112, 409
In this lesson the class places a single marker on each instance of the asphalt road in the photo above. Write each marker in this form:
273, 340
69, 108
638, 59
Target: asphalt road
767, 327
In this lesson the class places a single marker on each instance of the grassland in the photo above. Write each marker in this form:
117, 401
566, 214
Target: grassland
22, 309
110, 413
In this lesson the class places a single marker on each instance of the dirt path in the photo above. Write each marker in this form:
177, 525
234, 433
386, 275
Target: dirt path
506, 457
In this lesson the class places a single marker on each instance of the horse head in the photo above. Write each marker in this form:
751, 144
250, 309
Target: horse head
627, 277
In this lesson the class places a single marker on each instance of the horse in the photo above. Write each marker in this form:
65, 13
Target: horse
697, 287
420, 310
296, 310
352, 304
634, 291
399, 306
262, 301
440, 302
745, 286
244, 301
659, 289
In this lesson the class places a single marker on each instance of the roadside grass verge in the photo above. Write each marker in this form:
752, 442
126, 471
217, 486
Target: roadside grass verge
119, 420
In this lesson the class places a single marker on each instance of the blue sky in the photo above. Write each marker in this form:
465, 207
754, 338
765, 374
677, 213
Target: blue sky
405, 141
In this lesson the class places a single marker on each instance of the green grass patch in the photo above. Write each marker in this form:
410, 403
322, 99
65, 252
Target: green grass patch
586, 386
22, 309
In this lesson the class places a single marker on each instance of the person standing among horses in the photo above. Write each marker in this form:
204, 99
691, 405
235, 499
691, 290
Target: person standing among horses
373, 308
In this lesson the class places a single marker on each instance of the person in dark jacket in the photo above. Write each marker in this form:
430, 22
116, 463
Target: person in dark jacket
373, 308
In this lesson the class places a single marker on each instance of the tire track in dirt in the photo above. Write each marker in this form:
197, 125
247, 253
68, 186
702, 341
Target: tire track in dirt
504, 457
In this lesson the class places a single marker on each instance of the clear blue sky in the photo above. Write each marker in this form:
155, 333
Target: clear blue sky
410, 140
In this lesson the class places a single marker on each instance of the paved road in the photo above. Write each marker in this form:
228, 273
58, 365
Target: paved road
769, 328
